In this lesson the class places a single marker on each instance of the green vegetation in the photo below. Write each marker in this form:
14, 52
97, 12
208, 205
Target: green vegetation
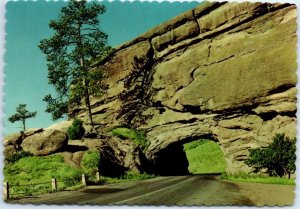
132, 175
17, 156
21, 115
37, 172
34, 170
128, 176
76, 43
75, 131
277, 159
90, 162
255, 178
137, 137
204, 156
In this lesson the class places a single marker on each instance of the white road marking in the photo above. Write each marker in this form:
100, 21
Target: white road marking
159, 190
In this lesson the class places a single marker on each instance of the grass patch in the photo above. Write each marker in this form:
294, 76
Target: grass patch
255, 178
128, 176
34, 170
137, 137
204, 156
37, 169
132, 175
90, 163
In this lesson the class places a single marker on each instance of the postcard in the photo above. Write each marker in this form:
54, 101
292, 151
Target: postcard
147, 103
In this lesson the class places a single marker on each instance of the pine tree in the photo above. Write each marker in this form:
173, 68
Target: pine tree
21, 115
77, 42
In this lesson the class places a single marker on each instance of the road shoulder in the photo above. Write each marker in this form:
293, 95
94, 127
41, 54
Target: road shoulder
268, 194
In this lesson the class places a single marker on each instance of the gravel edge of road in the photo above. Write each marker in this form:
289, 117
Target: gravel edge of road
278, 195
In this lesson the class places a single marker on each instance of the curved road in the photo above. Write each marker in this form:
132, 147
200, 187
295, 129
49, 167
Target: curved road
172, 190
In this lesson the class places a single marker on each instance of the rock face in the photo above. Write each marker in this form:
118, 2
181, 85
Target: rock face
222, 71
116, 156
45, 143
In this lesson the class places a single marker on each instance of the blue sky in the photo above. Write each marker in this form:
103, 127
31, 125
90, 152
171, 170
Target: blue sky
27, 23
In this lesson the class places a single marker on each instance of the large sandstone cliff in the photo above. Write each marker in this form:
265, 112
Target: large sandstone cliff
223, 71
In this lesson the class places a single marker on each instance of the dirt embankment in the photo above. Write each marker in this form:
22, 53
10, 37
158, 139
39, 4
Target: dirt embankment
268, 194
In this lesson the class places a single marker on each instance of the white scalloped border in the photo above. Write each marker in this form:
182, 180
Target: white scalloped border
28, 206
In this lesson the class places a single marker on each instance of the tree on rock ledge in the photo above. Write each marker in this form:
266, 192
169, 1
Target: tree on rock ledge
21, 115
77, 42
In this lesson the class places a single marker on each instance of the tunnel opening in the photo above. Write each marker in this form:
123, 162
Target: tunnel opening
197, 155
172, 161
205, 156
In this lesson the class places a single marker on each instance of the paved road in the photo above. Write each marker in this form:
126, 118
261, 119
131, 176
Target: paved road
175, 190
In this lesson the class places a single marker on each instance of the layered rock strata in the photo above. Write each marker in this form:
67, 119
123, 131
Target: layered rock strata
223, 71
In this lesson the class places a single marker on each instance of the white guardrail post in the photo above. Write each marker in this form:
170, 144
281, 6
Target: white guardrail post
98, 176
54, 184
83, 179
5, 191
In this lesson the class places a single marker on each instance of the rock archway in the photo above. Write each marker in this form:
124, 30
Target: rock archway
207, 79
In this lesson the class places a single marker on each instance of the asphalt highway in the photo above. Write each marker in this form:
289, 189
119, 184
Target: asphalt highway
171, 190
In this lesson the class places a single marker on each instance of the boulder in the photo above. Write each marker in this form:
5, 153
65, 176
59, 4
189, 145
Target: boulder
13, 139
72, 159
32, 131
17, 138
47, 142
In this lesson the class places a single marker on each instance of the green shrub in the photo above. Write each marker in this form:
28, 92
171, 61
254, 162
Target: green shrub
75, 131
90, 162
132, 175
17, 156
278, 159
137, 137
128, 176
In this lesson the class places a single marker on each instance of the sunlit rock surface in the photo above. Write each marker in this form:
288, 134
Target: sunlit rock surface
222, 71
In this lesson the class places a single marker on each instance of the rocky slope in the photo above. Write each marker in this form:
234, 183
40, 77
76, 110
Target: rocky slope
223, 71
116, 156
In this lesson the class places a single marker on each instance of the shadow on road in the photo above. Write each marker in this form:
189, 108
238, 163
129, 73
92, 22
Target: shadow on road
209, 176
102, 190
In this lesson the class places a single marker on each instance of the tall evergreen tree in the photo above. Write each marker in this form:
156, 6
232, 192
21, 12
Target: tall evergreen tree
21, 115
77, 41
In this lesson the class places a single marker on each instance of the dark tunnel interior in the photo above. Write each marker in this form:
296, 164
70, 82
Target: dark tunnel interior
172, 161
